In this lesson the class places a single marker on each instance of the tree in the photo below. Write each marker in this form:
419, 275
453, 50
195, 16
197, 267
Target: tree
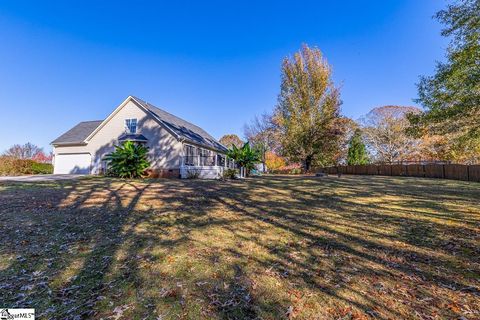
246, 156
308, 109
274, 161
231, 139
385, 133
25, 151
128, 160
451, 97
348, 127
357, 152
42, 157
446, 147
262, 132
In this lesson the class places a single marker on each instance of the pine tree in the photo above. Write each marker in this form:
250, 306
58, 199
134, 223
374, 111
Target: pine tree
357, 153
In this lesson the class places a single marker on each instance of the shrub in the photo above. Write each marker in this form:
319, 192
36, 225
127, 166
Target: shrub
292, 168
128, 161
42, 168
10, 166
230, 174
287, 171
193, 174
296, 171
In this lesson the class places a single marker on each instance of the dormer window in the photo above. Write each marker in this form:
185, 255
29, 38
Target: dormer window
131, 125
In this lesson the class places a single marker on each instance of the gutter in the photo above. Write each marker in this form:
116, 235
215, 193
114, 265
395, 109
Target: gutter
68, 144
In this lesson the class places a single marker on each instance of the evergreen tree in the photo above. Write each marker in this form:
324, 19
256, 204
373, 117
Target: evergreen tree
357, 152
451, 97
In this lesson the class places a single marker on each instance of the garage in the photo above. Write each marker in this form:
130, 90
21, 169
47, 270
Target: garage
72, 163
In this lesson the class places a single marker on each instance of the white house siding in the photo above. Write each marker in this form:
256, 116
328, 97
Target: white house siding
165, 149
206, 172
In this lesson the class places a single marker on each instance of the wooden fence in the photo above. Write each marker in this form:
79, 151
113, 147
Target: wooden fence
441, 171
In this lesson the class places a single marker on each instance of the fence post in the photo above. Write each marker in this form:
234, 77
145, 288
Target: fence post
443, 171
468, 172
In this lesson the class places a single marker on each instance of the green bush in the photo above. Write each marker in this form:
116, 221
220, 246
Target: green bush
128, 161
10, 166
296, 171
42, 168
230, 174
287, 171
193, 174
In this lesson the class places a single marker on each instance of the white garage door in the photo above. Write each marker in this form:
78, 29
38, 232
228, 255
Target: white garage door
74, 163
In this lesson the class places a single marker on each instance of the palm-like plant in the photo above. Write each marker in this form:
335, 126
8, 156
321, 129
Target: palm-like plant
246, 156
128, 160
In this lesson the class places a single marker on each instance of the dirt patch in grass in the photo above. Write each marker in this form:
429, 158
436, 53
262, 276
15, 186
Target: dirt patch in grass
274, 247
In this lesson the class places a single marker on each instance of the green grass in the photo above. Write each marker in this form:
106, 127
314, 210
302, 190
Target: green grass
355, 247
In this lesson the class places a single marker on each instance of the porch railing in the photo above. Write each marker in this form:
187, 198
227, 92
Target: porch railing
201, 161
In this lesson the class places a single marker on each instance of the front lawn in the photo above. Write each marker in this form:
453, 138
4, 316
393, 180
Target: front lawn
355, 247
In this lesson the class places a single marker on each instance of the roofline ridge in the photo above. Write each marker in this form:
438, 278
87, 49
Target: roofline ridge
91, 121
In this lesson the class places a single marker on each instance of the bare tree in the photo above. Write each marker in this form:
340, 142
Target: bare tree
385, 132
262, 130
26, 151
263, 133
231, 139
347, 127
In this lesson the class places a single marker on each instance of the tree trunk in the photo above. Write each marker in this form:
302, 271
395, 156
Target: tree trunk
263, 160
308, 163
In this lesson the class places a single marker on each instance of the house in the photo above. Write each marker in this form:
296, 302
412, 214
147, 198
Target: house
177, 148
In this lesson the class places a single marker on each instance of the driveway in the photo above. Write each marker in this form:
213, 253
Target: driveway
42, 177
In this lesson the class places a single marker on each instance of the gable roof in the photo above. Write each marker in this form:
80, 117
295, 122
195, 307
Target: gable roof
183, 129
77, 134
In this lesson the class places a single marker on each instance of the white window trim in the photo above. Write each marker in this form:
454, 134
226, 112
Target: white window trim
198, 152
128, 125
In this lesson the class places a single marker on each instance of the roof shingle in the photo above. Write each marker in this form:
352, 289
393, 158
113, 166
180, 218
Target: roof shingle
78, 133
183, 129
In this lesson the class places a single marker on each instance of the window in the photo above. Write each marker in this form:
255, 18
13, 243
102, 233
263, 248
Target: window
220, 160
131, 125
206, 158
195, 156
189, 155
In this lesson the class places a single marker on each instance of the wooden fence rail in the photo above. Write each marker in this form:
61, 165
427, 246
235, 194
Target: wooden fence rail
441, 171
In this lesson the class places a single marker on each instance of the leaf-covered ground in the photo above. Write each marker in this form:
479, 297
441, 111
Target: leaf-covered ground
274, 247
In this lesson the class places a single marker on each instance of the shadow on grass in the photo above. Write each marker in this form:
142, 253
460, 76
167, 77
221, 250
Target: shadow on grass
273, 247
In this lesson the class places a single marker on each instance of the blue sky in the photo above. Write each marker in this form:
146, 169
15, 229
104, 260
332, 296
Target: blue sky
214, 63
